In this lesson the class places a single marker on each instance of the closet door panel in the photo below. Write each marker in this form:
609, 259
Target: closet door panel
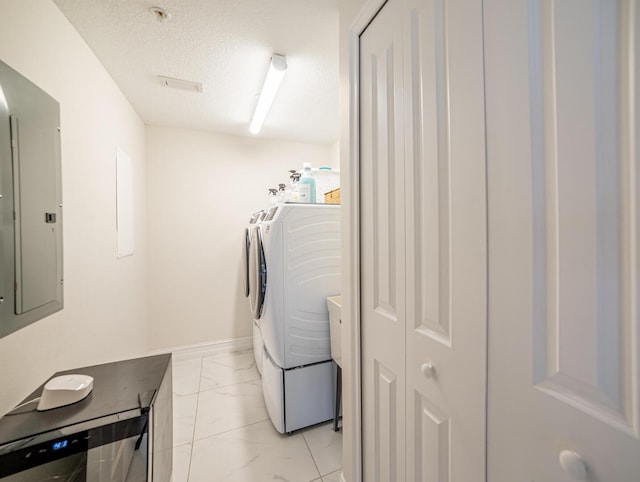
423, 242
446, 241
563, 235
382, 248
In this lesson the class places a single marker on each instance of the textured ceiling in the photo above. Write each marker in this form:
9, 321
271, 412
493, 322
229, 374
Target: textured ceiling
226, 45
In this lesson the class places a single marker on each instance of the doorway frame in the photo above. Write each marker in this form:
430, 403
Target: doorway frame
352, 386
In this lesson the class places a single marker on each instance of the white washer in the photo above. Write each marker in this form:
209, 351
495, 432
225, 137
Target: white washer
295, 258
254, 223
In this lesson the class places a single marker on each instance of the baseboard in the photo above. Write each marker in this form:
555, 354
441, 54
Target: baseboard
201, 350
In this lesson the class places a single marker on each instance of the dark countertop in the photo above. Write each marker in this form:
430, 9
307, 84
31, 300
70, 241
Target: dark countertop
117, 387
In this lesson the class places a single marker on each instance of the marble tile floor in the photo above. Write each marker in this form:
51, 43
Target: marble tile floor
222, 431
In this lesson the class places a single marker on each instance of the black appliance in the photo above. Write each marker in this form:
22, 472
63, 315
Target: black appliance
122, 432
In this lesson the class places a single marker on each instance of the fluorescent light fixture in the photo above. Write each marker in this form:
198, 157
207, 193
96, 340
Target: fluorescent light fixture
276, 72
3, 99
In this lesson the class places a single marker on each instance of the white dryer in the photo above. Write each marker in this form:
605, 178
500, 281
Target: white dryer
254, 223
294, 266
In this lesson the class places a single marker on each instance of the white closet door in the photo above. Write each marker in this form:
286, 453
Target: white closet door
382, 247
564, 221
446, 241
423, 242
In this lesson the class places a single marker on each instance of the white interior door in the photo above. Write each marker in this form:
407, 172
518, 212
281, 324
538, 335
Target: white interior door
564, 218
423, 248
382, 248
446, 241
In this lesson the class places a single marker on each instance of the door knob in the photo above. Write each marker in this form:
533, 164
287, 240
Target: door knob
573, 464
428, 370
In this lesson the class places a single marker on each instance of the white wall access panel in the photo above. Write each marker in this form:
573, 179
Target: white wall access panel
124, 204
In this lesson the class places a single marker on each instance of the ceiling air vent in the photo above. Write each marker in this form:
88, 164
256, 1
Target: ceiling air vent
180, 84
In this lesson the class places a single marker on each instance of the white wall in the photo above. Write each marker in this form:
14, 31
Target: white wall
105, 312
202, 189
335, 154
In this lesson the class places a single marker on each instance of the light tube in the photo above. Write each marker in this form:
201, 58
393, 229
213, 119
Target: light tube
3, 99
277, 69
